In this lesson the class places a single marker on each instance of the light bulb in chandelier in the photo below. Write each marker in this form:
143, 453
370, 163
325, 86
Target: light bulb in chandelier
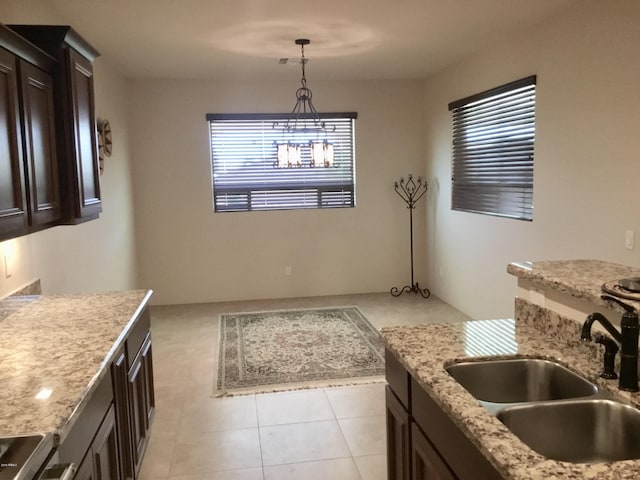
289, 155
321, 153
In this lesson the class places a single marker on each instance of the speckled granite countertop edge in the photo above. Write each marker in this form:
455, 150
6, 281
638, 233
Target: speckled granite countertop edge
581, 278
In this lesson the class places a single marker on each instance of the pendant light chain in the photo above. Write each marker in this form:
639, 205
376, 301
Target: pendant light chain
303, 80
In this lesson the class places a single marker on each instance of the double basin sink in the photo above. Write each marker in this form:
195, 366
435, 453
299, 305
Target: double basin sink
553, 410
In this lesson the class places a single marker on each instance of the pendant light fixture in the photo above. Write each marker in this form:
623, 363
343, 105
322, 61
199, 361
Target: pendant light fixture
305, 142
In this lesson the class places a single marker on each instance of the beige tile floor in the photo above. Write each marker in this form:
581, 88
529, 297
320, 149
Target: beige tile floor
333, 433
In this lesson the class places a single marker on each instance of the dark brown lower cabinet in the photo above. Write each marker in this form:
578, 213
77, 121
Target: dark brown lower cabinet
110, 435
101, 461
423, 442
85, 470
136, 397
426, 464
121, 406
149, 390
105, 450
141, 400
398, 439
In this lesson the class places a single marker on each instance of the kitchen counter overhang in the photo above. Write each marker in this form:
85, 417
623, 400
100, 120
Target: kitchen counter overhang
424, 350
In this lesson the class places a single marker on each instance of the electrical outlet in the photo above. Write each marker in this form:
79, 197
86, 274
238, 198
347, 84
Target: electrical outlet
8, 249
628, 239
287, 270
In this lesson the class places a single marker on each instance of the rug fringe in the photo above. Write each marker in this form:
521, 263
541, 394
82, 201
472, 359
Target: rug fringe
351, 382
254, 312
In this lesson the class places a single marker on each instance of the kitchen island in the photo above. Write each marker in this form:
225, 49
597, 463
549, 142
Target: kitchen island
537, 332
59, 353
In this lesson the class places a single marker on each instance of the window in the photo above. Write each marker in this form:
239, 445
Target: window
493, 137
243, 157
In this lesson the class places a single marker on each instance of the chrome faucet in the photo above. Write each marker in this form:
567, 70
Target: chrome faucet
627, 337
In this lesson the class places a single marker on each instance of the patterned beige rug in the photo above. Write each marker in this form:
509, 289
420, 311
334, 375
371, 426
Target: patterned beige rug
295, 349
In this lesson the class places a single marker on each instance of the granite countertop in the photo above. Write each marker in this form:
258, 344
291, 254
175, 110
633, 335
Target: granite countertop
60, 342
424, 350
579, 278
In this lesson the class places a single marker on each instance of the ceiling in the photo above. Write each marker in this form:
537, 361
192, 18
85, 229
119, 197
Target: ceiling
350, 39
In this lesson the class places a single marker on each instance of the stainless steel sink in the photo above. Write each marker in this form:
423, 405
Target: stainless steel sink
553, 410
520, 380
578, 431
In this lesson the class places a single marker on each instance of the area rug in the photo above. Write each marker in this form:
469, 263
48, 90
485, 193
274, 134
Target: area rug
294, 349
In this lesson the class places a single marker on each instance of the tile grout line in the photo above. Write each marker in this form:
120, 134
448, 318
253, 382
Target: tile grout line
255, 404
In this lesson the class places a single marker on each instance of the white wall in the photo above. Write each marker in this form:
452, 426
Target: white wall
98, 255
187, 253
586, 177
586, 155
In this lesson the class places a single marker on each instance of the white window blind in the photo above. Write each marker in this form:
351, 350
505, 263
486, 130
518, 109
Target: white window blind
243, 153
493, 145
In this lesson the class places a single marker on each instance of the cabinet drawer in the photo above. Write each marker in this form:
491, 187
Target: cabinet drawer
137, 336
398, 378
81, 435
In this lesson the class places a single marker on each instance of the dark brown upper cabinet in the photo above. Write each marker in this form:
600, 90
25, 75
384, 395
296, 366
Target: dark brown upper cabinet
13, 218
39, 139
29, 174
77, 146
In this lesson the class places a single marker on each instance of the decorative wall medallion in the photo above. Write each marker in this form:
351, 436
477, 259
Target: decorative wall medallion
105, 143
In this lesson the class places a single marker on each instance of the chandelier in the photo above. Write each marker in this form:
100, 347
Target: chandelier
304, 129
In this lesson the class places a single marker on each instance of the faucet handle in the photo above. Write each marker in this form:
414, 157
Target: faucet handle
610, 350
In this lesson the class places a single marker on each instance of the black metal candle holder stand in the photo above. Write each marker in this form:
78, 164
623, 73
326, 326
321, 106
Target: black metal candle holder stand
411, 191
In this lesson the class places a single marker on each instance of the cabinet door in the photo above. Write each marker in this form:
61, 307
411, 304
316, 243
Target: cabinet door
426, 463
12, 199
40, 145
453, 446
105, 449
137, 410
149, 394
121, 404
86, 175
398, 438
85, 470
141, 400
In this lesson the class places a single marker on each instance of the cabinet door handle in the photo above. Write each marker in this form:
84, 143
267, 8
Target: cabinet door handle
98, 468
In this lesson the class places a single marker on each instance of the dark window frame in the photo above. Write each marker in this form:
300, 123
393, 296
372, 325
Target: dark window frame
493, 151
243, 150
